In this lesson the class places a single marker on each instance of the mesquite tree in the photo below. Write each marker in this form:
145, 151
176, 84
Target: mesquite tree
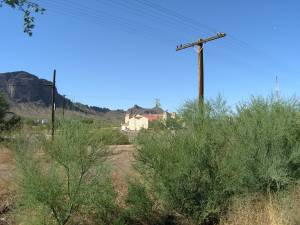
65, 180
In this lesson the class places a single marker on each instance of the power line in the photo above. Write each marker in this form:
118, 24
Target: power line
175, 15
98, 17
162, 13
146, 10
237, 41
157, 12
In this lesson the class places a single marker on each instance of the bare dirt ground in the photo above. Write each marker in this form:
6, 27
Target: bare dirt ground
7, 168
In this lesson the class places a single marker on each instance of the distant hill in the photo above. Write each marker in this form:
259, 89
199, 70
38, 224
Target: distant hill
140, 110
29, 95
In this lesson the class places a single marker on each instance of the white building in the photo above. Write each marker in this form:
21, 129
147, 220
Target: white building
138, 118
135, 123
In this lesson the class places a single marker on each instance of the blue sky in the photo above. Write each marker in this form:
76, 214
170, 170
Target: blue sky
116, 53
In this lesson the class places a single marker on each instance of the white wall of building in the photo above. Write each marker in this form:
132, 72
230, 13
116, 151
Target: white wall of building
135, 123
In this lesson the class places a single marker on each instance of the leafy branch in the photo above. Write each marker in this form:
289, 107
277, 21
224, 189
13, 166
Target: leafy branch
27, 7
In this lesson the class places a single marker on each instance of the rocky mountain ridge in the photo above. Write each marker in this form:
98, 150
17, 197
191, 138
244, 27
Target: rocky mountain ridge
21, 87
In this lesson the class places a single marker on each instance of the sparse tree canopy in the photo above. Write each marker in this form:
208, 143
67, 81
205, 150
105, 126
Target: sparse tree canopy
3, 107
27, 7
7, 123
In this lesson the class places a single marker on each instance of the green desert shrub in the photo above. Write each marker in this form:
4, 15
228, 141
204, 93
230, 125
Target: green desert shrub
184, 166
221, 153
265, 145
138, 200
87, 121
168, 123
3, 107
110, 136
8, 120
12, 122
140, 207
65, 180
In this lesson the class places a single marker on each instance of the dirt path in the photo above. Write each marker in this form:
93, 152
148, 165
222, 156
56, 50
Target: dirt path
7, 168
122, 162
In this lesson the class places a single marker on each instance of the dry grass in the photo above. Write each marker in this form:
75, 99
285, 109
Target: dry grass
261, 210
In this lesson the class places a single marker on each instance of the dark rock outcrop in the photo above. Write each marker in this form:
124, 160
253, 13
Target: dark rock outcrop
140, 110
23, 87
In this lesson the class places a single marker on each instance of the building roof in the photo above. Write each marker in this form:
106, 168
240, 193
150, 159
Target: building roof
153, 117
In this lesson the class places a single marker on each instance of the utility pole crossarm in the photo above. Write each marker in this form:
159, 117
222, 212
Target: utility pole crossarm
201, 41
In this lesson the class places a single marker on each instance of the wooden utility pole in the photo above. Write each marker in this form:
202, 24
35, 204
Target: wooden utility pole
53, 104
200, 73
200, 44
63, 109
